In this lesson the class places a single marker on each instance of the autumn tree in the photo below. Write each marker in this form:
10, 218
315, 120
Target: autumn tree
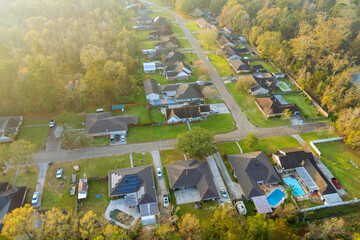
88, 225
20, 223
244, 83
251, 140
286, 114
209, 37
197, 143
165, 231
189, 227
111, 232
22, 153
57, 224
328, 229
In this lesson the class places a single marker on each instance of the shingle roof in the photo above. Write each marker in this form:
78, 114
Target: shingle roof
271, 106
130, 180
242, 50
161, 31
202, 23
186, 91
8, 125
151, 86
11, 199
159, 22
239, 64
192, 173
229, 51
266, 80
144, 18
187, 111
97, 123
222, 40
251, 168
174, 57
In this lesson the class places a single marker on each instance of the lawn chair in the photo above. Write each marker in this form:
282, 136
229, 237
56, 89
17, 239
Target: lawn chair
76, 168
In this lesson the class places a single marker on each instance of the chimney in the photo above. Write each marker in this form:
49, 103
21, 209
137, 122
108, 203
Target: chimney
302, 162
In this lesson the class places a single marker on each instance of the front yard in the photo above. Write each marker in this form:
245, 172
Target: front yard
142, 159
193, 27
253, 114
148, 44
336, 156
184, 43
191, 58
221, 65
161, 13
175, 27
36, 135
169, 157
28, 179
217, 123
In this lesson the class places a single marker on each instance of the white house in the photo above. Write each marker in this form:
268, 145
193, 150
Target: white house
150, 67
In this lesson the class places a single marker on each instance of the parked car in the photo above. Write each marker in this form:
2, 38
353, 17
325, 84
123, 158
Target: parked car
35, 198
240, 206
166, 200
52, 123
59, 173
224, 193
208, 58
336, 183
123, 138
158, 172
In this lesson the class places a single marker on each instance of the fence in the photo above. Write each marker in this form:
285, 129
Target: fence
258, 59
330, 205
312, 143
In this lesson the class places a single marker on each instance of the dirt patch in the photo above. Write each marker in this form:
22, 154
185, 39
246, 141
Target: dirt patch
121, 217
211, 92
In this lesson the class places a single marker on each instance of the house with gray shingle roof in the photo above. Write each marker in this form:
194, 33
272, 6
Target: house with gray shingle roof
182, 92
177, 71
151, 89
240, 66
9, 127
187, 113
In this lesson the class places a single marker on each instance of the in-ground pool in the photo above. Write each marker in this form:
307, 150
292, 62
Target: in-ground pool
297, 189
275, 197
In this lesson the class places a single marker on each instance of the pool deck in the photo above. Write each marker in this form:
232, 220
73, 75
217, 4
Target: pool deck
282, 200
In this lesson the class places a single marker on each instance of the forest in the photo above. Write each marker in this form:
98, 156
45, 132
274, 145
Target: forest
65, 54
316, 41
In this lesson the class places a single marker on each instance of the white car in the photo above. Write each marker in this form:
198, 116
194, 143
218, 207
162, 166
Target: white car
52, 123
166, 200
59, 173
224, 193
158, 172
35, 198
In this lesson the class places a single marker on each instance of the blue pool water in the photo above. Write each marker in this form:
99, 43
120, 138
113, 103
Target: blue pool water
297, 189
275, 197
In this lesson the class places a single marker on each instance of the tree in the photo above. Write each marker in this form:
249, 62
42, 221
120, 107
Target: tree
87, 225
269, 44
92, 53
286, 114
22, 152
4, 158
189, 227
209, 37
251, 140
197, 143
57, 224
241, 21
164, 231
328, 229
112, 232
244, 83
19, 223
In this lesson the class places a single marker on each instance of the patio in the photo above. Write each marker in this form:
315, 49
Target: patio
120, 204
187, 195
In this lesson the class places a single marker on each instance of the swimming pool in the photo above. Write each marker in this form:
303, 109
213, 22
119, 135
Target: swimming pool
297, 189
275, 197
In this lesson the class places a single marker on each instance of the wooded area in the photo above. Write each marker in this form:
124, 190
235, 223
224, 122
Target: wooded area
65, 55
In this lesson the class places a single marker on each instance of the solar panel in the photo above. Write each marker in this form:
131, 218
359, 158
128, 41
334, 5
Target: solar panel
129, 184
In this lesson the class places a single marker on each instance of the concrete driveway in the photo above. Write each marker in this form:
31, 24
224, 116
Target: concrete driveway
187, 195
221, 107
52, 143
41, 181
161, 185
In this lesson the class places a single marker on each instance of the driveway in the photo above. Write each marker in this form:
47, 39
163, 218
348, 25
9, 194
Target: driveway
221, 107
161, 185
219, 183
188, 195
52, 143
234, 189
41, 181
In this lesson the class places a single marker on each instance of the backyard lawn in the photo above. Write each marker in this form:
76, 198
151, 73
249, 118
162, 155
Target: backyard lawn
271, 145
28, 179
217, 123
141, 112
191, 58
9, 175
336, 156
193, 27
56, 191
306, 110
312, 136
270, 68
175, 27
156, 115
161, 13
184, 43
221, 65
143, 34
148, 44
35, 135
142, 159
203, 213
253, 114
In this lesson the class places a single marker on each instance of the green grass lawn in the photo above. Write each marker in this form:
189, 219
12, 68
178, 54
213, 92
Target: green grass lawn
141, 97
270, 68
175, 27
197, 35
217, 123
148, 44
206, 47
57, 195
9, 175
36, 135
193, 27
35, 121
161, 79
28, 179
228, 148
191, 58
141, 112
166, 15
140, 159
143, 34
213, 101
288, 82
253, 114
222, 66
203, 213
271, 145
306, 110
156, 115
169, 157
184, 43
312, 136
337, 152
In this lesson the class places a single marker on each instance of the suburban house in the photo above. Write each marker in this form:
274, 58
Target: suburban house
144, 20
202, 23
187, 113
167, 43
148, 51
254, 171
158, 55
230, 53
223, 41
182, 92
9, 127
140, 8
257, 89
177, 71
242, 39
150, 67
151, 89
279, 75
10, 199
159, 32
174, 57
226, 31
240, 66
137, 186
242, 50
103, 124
258, 68
275, 106
264, 83
192, 175
159, 22
196, 12
302, 164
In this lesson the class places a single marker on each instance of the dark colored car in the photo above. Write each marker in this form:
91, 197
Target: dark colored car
336, 183
117, 137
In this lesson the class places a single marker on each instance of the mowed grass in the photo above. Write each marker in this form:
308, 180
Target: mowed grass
57, 195
193, 27
156, 115
161, 79
169, 157
336, 156
142, 159
143, 34
271, 145
9, 175
253, 114
175, 27
203, 214
35, 135
306, 110
312, 136
148, 44
228, 148
268, 66
184, 43
221, 65
161, 13
28, 179
191, 57
141, 112
217, 124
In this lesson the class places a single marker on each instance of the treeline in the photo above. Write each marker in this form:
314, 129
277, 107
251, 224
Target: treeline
65, 55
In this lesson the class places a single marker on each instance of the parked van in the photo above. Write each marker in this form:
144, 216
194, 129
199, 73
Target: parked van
240, 207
